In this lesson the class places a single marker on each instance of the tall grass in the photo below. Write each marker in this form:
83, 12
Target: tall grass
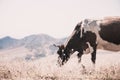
35, 70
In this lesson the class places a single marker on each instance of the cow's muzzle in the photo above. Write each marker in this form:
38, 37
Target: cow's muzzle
62, 61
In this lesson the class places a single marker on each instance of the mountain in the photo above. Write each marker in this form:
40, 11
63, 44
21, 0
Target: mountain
8, 42
35, 41
40, 45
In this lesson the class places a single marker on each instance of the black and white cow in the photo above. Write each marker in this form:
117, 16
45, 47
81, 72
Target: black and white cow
87, 35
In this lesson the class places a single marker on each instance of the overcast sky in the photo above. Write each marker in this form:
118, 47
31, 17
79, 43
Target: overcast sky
57, 18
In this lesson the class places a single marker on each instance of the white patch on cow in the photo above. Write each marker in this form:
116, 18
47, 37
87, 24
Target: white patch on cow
91, 25
81, 29
90, 47
69, 38
72, 49
86, 51
63, 54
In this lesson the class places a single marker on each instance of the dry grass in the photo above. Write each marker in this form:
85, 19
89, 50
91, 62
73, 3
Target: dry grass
24, 71
107, 68
34, 73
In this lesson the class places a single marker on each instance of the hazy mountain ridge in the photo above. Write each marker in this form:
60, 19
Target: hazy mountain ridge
29, 41
40, 45
9, 42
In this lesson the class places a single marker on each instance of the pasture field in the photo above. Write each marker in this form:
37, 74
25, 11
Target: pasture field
107, 68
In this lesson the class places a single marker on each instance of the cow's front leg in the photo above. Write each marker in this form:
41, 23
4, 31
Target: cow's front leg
93, 54
93, 58
79, 56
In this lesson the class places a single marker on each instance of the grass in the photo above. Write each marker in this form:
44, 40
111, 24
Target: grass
36, 71
107, 68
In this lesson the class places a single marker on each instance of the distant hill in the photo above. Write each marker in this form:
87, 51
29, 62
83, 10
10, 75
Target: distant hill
40, 45
8, 42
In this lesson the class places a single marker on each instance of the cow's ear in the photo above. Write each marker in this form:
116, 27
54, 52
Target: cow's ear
62, 46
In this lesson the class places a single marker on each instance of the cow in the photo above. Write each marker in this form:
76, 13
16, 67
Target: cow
88, 35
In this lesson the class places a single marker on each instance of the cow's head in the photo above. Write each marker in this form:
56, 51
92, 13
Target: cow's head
62, 56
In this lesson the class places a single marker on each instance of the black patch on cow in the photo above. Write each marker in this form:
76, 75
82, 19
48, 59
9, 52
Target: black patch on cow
80, 44
89, 37
110, 32
78, 26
